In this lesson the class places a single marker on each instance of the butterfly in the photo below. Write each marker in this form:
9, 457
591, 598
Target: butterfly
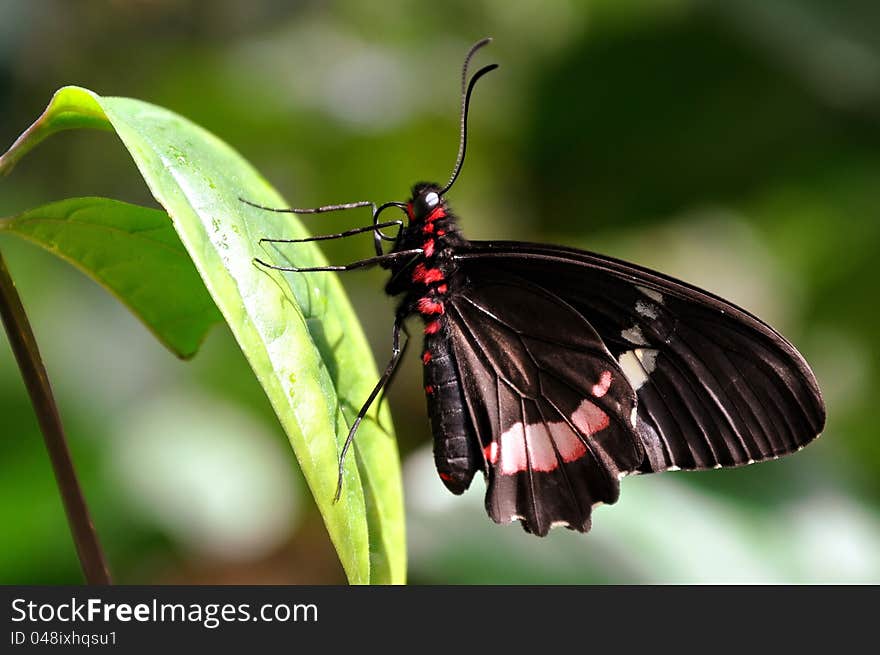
556, 372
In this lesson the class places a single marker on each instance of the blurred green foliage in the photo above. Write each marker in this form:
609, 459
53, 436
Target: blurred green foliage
734, 144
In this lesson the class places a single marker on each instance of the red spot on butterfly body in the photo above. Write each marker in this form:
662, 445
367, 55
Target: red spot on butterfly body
433, 327
442, 288
429, 248
440, 233
429, 389
428, 306
445, 477
428, 228
437, 212
409, 210
601, 387
426, 357
426, 275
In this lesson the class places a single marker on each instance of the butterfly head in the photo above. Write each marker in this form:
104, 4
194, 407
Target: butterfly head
426, 198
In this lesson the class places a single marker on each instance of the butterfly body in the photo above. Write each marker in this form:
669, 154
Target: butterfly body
427, 282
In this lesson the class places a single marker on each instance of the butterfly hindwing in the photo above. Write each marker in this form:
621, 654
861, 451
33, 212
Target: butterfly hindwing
551, 407
715, 385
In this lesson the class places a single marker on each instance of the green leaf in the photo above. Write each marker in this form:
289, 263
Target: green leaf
136, 254
298, 332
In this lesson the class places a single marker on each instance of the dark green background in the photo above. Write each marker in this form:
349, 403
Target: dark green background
735, 144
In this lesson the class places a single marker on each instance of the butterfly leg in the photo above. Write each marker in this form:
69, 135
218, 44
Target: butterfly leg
313, 210
390, 380
378, 234
362, 263
340, 235
396, 354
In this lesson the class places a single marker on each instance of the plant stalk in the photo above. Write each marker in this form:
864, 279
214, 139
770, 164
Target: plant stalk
24, 346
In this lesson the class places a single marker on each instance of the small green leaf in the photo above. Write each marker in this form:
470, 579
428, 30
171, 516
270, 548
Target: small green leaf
298, 332
136, 254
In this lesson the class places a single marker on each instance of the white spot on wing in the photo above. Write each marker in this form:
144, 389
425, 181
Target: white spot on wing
634, 335
646, 309
648, 358
637, 365
632, 369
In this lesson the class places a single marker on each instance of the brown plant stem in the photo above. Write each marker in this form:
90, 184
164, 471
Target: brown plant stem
24, 346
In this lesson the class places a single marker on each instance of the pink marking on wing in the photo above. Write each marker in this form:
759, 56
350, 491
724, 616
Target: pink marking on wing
589, 419
513, 450
601, 387
537, 446
570, 446
542, 456
491, 452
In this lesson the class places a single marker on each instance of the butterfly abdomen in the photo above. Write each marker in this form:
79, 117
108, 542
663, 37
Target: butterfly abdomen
455, 443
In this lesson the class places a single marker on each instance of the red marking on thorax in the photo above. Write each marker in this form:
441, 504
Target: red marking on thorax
601, 387
426, 275
429, 389
428, 228
429, 248
437, 212
433, 327
428, 306
442, 288
440, 233
409, 210
426, 357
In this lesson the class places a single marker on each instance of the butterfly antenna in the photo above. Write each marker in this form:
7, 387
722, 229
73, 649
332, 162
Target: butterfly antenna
466, 90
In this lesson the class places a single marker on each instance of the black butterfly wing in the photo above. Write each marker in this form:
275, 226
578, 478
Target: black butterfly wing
715, 385
550, 405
